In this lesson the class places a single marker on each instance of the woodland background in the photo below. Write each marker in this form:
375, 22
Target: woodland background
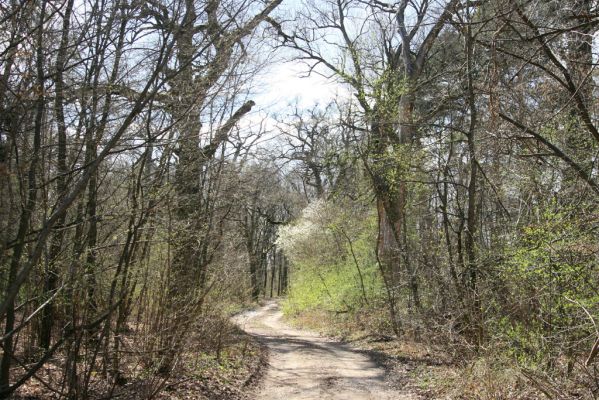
450, 201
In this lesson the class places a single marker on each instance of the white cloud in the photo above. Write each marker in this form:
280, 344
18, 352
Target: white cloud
281, 87
287, 83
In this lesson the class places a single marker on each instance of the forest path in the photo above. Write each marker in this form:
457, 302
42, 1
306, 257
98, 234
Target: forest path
306, 366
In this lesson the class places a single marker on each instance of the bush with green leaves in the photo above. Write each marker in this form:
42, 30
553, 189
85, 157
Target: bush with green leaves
554, 300
331, 248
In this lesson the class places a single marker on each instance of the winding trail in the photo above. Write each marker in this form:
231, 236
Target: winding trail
306, 366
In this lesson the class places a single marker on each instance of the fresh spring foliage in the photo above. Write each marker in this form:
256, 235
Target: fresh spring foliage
330, 248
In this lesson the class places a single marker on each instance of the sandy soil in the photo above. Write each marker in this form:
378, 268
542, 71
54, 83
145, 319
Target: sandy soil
304, 365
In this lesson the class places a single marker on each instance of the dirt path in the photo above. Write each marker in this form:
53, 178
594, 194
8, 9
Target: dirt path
304, 365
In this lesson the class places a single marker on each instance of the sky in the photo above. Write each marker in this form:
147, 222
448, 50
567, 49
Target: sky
284, 86
286, 83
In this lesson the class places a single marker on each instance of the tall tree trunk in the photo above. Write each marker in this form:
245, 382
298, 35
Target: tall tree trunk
471, 220
27, 211
278, 260
444, 199
273, 272
50, 285
285, 271
254, 269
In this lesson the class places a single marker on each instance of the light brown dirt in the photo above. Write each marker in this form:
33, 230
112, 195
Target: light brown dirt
306, 366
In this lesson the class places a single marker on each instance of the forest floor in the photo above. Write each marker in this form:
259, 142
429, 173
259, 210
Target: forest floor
199, 374
304, 365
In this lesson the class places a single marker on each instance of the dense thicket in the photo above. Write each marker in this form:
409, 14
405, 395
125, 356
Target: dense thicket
475, 126
119, 158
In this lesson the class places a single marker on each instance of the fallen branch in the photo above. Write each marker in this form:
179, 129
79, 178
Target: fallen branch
593, 354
